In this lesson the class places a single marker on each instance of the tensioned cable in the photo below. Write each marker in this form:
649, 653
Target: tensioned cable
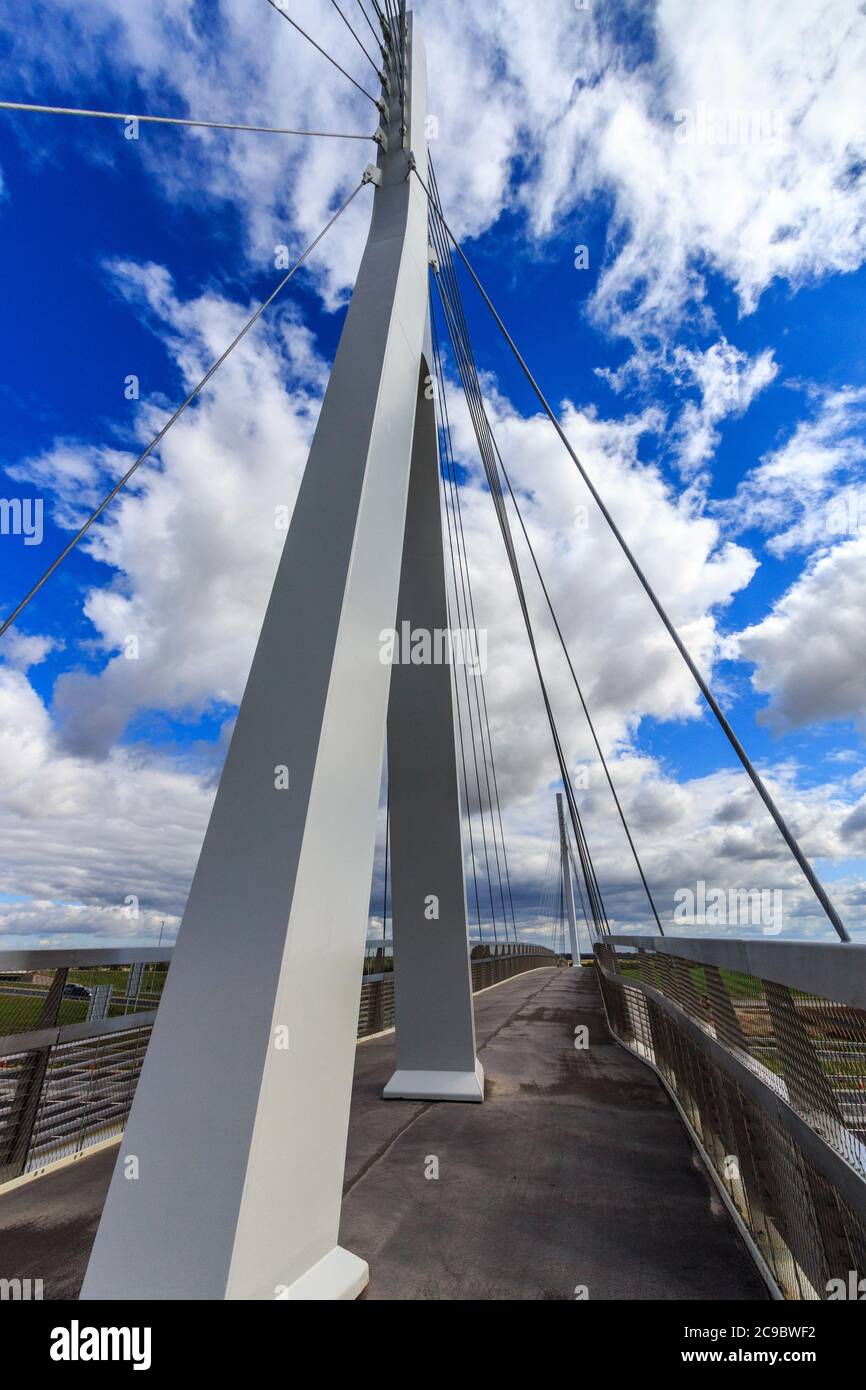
469, 378
481, 426
471, 735
753, 774
376, 37
492, 439
469, 609
577, 687
459, 722
592, 886
559, 633
453, 510
157, 439
397, 32
387, 847
321, 50
176, 120
474, 745
351, 29
482, 709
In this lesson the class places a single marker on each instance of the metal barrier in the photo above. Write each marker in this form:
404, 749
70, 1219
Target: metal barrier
74, 1028
490, 965
762, 1045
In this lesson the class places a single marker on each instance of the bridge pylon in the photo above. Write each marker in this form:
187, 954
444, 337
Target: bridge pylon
568, 885
228, 1183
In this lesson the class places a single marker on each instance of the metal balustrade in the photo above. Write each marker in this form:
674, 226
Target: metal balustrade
74, 1029
762, 1045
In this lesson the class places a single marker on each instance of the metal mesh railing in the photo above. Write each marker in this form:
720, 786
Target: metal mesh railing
490, 965
493, 964
86, 1094
88, 992
770, 1078
73, 1034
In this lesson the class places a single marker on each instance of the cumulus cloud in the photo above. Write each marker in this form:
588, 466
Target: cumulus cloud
193, 545
542, 109
627, 663
192, 548
81, 839
809, 651
22, 651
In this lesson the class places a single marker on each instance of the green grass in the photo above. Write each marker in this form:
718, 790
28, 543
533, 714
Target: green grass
738, 986
19, 1013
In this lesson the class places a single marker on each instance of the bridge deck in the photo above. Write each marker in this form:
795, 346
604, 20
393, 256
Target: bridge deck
576, 1171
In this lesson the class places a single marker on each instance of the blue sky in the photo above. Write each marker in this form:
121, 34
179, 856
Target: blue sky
709, 364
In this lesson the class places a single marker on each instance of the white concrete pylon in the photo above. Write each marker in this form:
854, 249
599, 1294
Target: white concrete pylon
567, 881
436, 1057
229, 1178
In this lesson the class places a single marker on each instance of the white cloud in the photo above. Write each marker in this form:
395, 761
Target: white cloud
739, 209
562, 99
192, 548
621, 653
81, 837
194, 542
812, 489
726, 379
567, 97
809, 650
21, 651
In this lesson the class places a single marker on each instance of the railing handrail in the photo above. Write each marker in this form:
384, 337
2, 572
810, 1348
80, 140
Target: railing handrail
79, 957
13, 1043
832, 969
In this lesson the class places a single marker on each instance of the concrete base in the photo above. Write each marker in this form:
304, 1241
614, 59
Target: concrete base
338, 1277
437, 1085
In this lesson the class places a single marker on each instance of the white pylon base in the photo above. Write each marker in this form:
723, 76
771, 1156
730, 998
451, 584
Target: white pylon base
338, 1277
436, 1085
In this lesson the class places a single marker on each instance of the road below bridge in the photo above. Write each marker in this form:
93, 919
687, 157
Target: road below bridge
576, 1172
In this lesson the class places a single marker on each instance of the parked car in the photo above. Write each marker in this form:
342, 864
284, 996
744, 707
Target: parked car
76, 992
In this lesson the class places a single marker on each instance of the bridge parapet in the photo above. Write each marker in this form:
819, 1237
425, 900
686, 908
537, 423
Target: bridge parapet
74, 1028
762, 1046
491, 964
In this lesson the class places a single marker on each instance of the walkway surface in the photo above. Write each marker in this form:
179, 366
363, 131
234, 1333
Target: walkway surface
575, 1173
